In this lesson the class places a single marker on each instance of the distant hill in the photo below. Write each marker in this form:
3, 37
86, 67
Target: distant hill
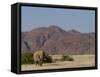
55, 40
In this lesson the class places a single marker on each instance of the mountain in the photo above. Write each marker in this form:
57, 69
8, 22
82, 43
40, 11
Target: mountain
55, 40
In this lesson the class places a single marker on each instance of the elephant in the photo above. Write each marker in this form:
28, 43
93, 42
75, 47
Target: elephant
39, 57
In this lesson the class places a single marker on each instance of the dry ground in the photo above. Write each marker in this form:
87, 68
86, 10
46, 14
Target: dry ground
79, 61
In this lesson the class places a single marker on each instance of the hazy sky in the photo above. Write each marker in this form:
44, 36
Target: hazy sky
81, 20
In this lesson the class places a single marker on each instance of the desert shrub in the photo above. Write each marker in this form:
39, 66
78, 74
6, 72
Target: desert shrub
48, 59
27, 58
67, 58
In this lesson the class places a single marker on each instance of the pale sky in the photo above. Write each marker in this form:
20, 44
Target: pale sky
67, 19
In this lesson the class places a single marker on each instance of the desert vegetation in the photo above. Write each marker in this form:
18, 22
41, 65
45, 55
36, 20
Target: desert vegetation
79, 61
27, 58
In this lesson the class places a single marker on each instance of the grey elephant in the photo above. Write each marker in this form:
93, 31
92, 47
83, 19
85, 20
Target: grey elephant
39, 57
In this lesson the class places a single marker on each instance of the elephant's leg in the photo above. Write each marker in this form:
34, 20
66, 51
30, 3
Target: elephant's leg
36, 63
41, 63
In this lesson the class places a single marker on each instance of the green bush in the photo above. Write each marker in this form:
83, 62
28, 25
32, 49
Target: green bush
67, 58
27, 58
48, 59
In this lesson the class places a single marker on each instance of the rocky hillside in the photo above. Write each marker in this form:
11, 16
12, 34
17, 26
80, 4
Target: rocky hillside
55, 40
